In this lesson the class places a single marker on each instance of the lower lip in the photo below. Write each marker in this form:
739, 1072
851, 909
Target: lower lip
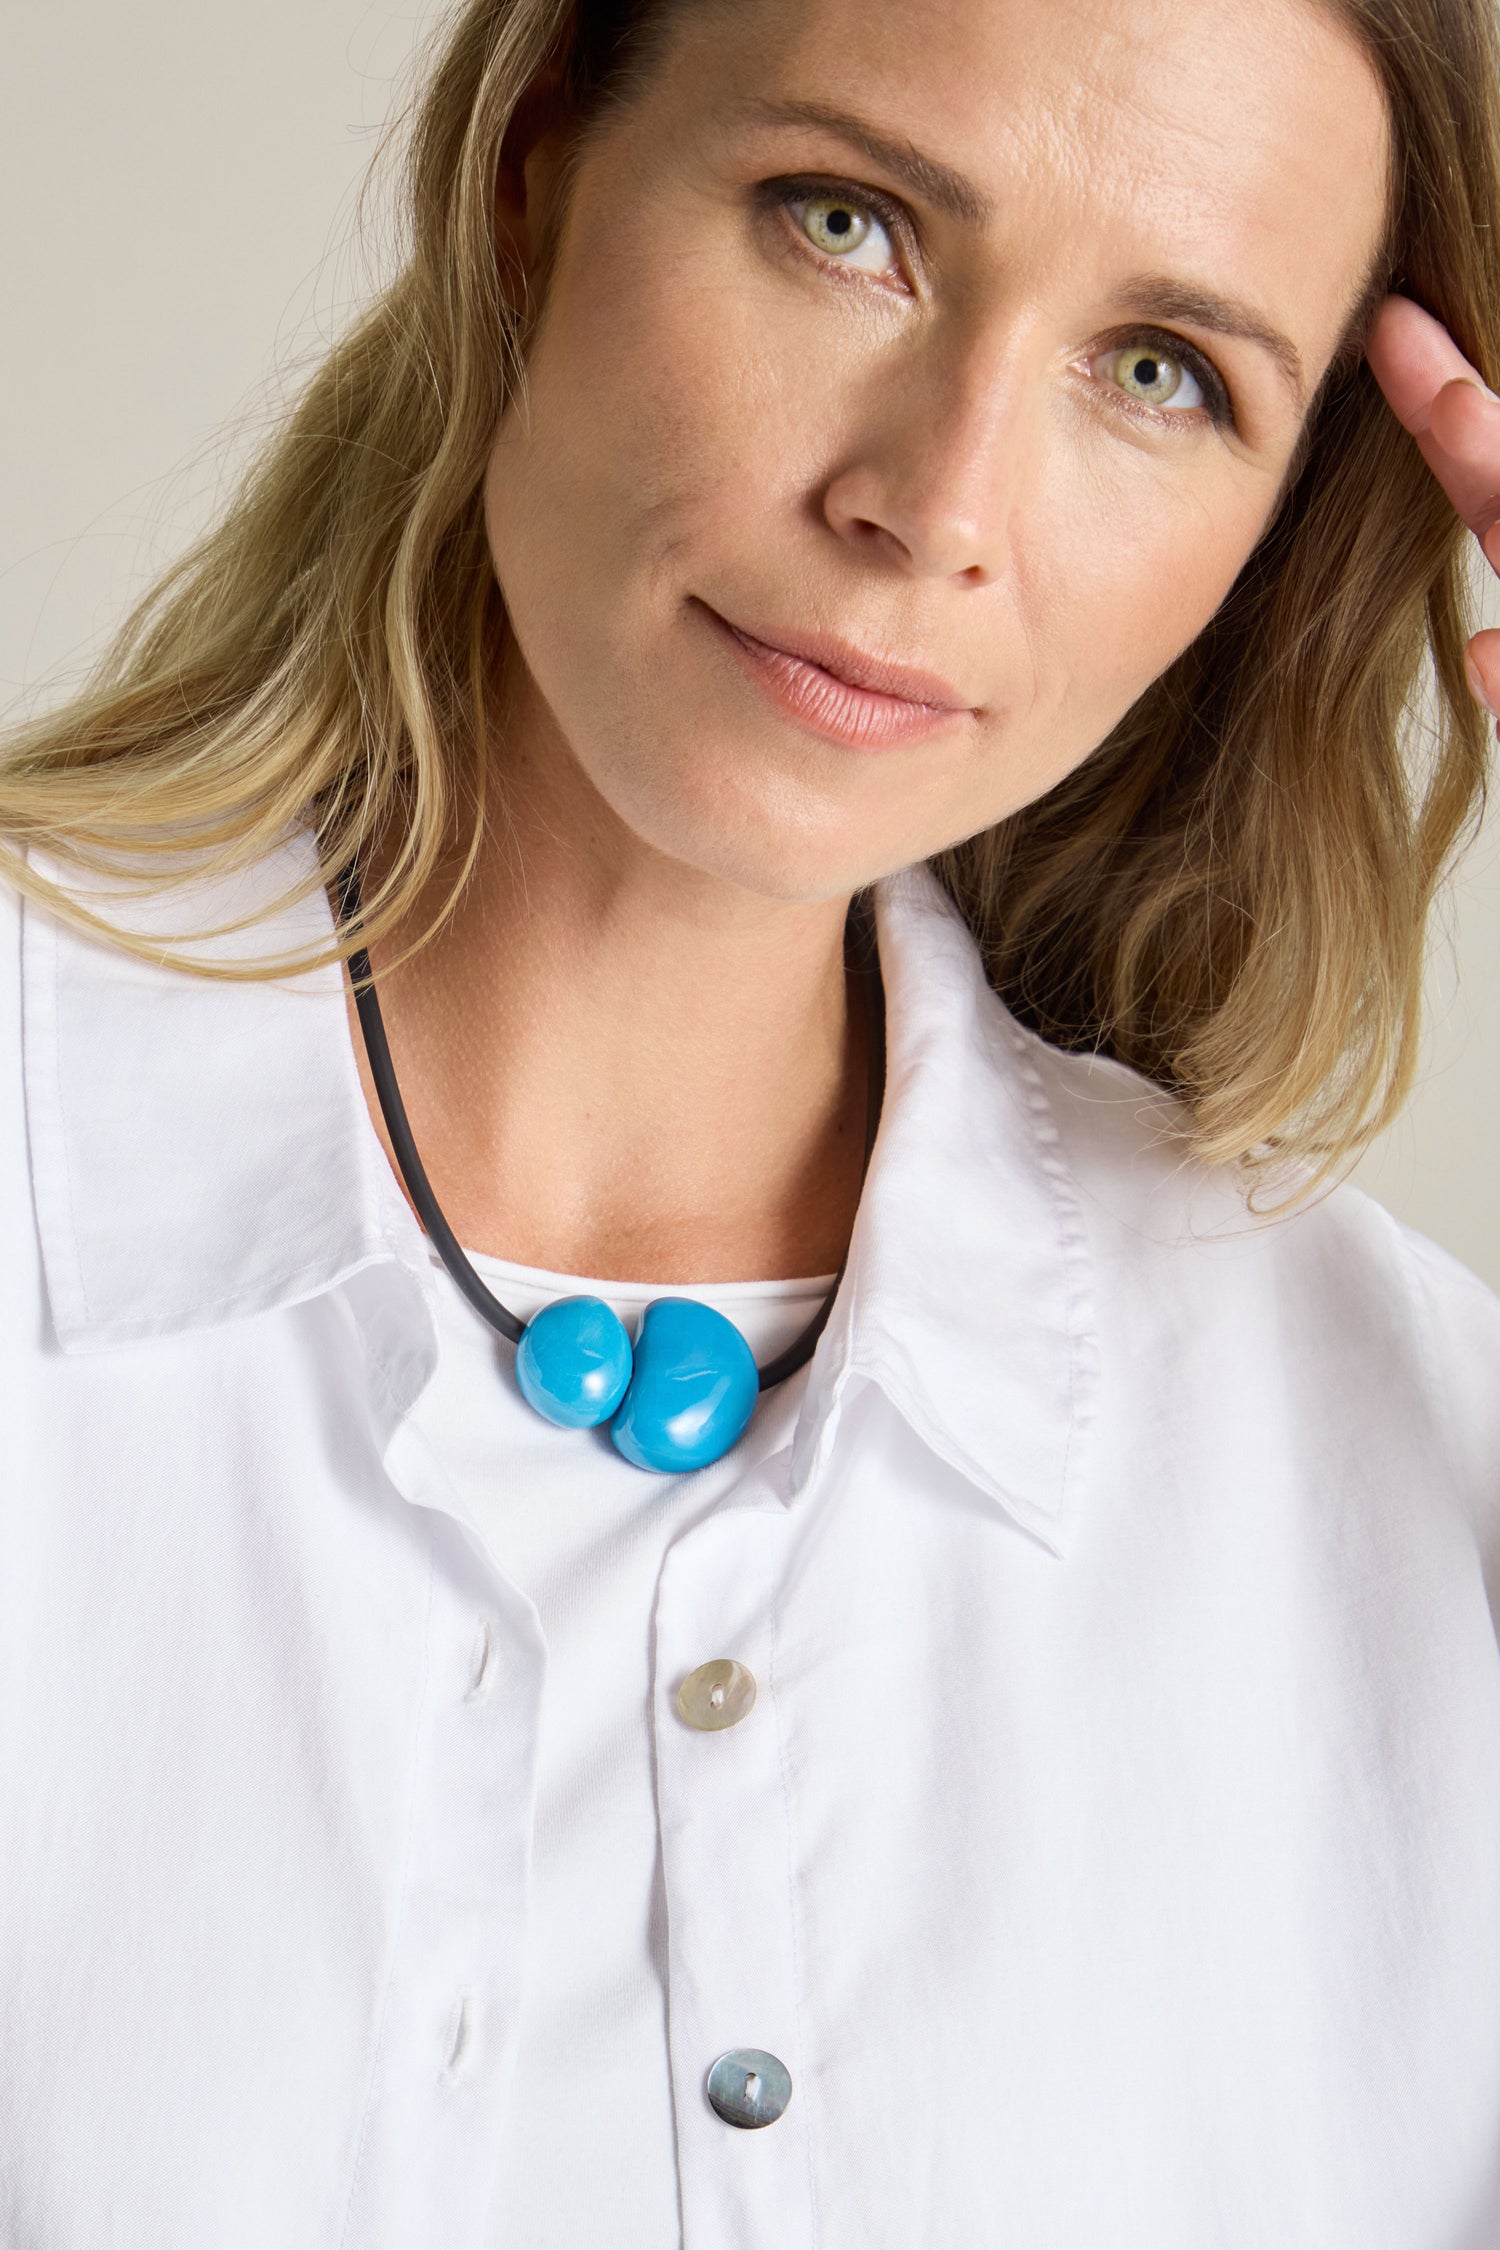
860, 717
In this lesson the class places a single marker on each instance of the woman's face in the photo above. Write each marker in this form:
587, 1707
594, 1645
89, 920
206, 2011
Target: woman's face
963, 338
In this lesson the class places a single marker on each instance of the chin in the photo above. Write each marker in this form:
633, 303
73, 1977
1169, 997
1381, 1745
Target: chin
773, 838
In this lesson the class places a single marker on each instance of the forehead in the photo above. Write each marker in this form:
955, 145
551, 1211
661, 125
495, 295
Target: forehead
1245, 146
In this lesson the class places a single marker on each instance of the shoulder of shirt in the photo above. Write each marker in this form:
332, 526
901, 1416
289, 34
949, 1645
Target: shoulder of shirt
10, 1000
1340, 1258
1126, 1145
17, 1231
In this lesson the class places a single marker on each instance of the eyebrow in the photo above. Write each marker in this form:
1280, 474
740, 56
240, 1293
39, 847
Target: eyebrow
1158, 297
938, 184
1147, 296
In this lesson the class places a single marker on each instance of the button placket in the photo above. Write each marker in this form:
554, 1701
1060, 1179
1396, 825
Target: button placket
726, 1857
447, 2036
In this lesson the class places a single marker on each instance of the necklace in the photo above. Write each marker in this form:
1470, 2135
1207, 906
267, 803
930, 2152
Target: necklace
681, 1395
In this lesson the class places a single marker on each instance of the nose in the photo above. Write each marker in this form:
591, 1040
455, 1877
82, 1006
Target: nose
931, 480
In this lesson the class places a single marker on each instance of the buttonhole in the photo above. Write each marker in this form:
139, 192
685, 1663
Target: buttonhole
458, 2038
481, 1667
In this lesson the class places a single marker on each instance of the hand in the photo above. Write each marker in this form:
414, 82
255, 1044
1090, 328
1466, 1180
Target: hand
1436, 394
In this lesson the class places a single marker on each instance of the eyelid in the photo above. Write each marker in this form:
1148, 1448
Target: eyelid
792, 187
1218, 403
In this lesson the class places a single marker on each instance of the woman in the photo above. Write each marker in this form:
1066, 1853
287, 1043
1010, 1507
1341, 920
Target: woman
1027, 1773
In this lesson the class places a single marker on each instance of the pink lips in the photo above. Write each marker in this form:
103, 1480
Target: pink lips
841, 693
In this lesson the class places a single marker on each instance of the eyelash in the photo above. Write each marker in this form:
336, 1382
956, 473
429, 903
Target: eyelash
776, 195
798, 187
1216, 400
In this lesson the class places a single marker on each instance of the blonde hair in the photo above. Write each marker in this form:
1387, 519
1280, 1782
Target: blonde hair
1230, 894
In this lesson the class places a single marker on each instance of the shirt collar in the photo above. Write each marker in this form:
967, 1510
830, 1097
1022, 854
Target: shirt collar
201, 1152
199, 1149
969, 1290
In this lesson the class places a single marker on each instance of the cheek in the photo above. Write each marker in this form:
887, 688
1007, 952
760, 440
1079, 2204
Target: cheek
672, 404
1113, 566
1118, 569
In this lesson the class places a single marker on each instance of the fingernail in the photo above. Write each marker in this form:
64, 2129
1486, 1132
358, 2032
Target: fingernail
1477, 688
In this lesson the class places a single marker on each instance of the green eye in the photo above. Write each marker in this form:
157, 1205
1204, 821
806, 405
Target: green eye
833, 225
1151, 375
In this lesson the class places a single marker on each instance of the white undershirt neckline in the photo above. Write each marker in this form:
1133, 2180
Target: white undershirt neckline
769, 1314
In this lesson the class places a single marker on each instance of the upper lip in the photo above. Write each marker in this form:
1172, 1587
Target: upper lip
856, 669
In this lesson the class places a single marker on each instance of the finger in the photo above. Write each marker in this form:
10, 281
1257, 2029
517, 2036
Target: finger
1439, 397
1412, 356
1462, 447
1483, 667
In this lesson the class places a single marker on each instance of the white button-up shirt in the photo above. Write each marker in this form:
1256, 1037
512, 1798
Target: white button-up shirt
1112, 1855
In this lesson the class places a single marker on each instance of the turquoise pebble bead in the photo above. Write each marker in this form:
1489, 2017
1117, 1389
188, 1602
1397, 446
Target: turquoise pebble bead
693, 1390
573, 1362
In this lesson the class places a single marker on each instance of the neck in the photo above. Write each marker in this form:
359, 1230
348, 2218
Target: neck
617, 1066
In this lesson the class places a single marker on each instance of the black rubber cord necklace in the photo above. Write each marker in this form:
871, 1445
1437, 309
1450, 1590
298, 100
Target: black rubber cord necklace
682, 1394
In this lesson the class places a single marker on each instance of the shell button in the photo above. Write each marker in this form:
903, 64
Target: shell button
717, 1695
749, 2087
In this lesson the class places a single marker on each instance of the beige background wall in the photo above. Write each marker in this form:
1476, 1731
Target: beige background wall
178, 181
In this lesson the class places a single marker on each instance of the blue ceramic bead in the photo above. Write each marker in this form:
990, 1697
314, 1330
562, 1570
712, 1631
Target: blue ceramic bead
693, 1390
573, 1362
